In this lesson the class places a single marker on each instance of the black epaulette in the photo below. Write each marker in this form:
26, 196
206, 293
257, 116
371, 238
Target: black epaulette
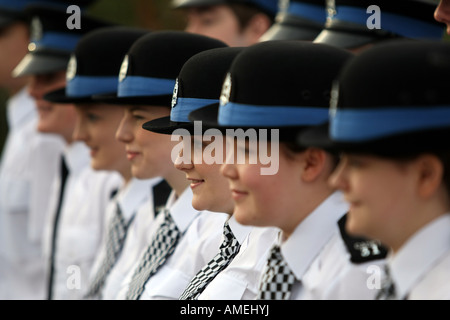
161, 193
113, 193
361, 249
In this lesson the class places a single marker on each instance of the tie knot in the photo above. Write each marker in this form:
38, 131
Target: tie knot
229, 240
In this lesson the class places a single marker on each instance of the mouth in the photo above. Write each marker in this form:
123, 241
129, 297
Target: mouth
132, 154
238, 194
195, 182
93, 151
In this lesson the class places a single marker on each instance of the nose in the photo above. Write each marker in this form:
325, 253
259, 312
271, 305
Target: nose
80, 132
442, 13
124, 133
36, 88
184, 163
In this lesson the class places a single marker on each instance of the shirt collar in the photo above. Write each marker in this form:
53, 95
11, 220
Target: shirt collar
76, 156
419, 254
309, 237
133, 194
181, 209
240, 231
20, 108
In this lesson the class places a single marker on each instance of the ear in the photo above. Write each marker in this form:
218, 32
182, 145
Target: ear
431, 170
257, 26
314, 164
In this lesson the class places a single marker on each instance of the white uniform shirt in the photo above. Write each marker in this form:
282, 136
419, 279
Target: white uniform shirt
303, 250
420, 269
240, 279
28, 167
202, 236
80, 227
135, 200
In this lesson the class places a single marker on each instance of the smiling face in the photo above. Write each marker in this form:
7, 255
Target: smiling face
53, 118
149, 153
96, 127
266, 200
389, 200
209, 187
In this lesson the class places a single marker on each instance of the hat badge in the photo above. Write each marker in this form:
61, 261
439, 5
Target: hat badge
71, 68
123, 69
334, 97
226, 90
35, 33
175, 94
331, 9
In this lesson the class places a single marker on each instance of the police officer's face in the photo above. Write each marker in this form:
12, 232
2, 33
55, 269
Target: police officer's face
442, 13
149, 153
53, 118
13, 47
96, 126
266, 200
382, 195
209, 186
217, 22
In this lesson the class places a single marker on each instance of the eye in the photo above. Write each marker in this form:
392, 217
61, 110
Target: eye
92, 117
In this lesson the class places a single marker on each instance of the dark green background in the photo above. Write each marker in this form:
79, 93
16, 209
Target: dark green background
151, 14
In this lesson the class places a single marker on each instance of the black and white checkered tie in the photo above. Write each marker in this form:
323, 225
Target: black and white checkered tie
162, 246
278, 279
114, 243
387, 291
227, 251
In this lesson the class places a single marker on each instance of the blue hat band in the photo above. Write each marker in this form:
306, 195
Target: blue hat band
184, 106
236, 114
134, 86
308, 11
353, 125
85, 86
19, 5
405, 26
269, 5
58, 40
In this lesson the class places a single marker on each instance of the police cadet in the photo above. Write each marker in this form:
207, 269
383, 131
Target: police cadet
79, 195
235, 22
297, 20
146, 82
310, 254
394, 161
244, 248
89, 74
358, 24
442, 13
21, 205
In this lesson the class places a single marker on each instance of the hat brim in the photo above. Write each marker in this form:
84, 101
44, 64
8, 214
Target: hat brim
59, 96
343, 39
41, 63
113, 98
280, 31
165, 126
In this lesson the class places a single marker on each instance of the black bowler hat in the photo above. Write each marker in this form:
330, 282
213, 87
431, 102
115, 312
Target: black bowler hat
392, 99
297, 20
52, 41
281, 85
196, 88
347, 22
149, 70
268, 6
95, 64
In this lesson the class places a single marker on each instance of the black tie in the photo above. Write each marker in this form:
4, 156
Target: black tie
64, 172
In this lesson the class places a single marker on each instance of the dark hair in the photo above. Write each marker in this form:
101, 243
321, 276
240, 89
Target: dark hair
245, 12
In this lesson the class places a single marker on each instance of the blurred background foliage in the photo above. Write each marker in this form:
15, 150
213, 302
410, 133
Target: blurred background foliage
150, 14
